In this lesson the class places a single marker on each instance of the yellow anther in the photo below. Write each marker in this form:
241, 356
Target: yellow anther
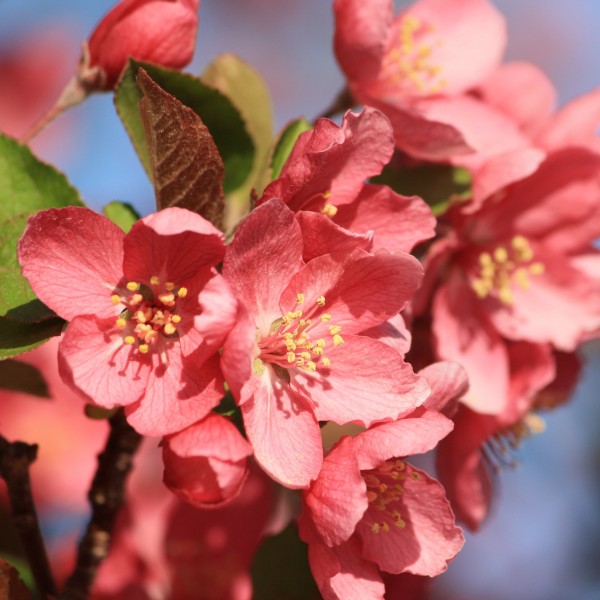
169, 328
133, 286
154, 280
320, 343
140, 316
385, 527
375, 528
522, 278
286, 319
290, 345
129, 340
291, 357
297, 314
329, 210
338, 340
325, 361
121, 322
181, 292
537, 268
176, 318
485, 259
143, 348
327, 195
167, 299
311, 366
135, 299
300, 362
325, 317
305, 355
500, 254
505, 294
169, 286
400, 523
371, 496
299, 298
321, 300
415, 475
115, 299
519, 242
318, 351
333, 329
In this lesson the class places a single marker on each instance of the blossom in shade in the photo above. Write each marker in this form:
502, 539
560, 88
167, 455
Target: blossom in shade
326, 172
297, 354
147, 310
156, 31
370, 511
418, 67
205, 464
522, 267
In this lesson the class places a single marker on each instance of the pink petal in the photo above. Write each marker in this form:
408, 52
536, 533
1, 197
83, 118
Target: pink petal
393, 332
361, 290
72, 257
523, 92
173, 244
342, 574
332, 163
361, 34
463, 334
264, 254
337, 499
411, 435
94, 361
368, 381
322, 236
428, 541
178, 394
283, 432
399, 222
448, 382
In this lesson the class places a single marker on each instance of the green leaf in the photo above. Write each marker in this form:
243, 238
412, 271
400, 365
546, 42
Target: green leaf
27, 185
439, 185
187, 169
17, 337
286, 142
216, 111
121, 214
246, 89
18, 376
280, 569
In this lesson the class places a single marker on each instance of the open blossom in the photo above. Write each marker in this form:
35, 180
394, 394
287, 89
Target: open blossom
522, 267
147, 311
418, 67
156, 31
297, 356
326, 172
370, 511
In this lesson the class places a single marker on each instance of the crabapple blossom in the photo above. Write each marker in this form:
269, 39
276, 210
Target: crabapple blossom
326, 173
147, 311
297, 353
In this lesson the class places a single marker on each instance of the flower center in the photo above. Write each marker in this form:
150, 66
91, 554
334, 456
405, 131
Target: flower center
150, 313
384, 491
409, 61
289, 343
503, 266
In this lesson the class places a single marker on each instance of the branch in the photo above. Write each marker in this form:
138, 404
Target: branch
15, 459
106, 496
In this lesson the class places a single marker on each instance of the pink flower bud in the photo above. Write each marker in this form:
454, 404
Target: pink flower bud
156, 31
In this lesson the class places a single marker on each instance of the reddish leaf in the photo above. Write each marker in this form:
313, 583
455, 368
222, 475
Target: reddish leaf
186, 166
11, 586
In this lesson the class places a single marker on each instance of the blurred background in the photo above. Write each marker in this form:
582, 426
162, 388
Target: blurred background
543, 539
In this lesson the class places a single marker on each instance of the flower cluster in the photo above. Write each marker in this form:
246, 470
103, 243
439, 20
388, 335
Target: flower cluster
344, 328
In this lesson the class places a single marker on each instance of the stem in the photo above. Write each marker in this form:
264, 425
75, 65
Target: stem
106, 496
15, 459
343, 101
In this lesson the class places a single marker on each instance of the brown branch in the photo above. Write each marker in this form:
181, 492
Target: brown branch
15, 459
106, 497
343, 101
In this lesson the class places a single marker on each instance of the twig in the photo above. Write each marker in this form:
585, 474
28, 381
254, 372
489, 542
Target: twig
15, 459
342, 102
106, 497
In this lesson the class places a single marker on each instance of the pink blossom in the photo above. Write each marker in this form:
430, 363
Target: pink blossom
326, 173
205, 464
297, 355
147, 312
522, 267
369, 510
156, 31
418, 66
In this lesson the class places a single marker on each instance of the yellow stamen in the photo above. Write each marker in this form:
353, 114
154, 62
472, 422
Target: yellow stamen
115, 299
333, 329
338, 340
325, 361
500, 254
325, 317
143, 348
169, 329
135, 299
121, 322
321, 300
129, 340
169, 286
182, 292
537, 268
291, 357
167, 299
133, 286
329, 210
154, 280
176, 318
299, 298
310, 365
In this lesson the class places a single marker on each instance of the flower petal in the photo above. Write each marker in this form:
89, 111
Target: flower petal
72, 257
